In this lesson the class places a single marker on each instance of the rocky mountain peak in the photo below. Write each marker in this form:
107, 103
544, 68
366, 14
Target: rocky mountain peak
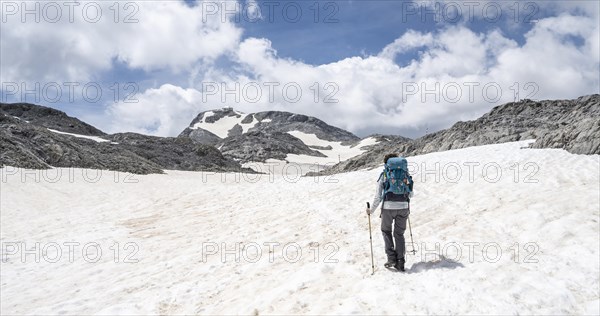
263, 135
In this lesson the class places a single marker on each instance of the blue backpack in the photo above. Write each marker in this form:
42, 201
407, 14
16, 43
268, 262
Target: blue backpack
395, 176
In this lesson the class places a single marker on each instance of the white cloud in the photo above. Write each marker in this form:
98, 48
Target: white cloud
162, 111
253, 11
371, 93
372, 90
410, 40
167, 35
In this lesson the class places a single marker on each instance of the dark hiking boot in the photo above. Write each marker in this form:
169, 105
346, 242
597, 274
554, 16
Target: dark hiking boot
390, 264
400, 265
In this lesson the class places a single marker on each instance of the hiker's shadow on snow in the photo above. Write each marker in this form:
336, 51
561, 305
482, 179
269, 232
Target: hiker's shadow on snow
441, 263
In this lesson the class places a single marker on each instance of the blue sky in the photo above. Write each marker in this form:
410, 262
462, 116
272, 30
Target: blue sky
327, 31
172, 51
351, 28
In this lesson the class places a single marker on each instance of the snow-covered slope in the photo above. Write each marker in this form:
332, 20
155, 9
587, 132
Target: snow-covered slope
332, 153
335, 151
545, 203
94, 138
300, 164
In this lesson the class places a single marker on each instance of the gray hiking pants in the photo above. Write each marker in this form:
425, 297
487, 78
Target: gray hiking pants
398, 219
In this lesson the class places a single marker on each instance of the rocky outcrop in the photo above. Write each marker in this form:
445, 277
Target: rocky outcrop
553, 123
576, 127
262, 145
286, 122
573, 125
175, 153
264, 135
27, 142
48, 117
200, 136
26, 145
582, 138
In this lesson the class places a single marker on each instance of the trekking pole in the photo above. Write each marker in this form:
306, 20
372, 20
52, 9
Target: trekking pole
371, 240
411, 238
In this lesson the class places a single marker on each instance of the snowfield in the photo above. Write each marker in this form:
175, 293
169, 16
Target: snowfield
302, 164
94, 138
337, 153
517, 232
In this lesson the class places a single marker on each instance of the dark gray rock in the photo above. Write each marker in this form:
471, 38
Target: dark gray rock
219, 114
26, 145
176, 153
248, 119
580, 138
266, 144
287, 122
575, 128
522, 120
235, 131
573, 125
26, 142
321, 147
265, 140
49, 117
200, 136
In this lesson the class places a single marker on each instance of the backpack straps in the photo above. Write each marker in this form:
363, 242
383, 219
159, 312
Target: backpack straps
381, 175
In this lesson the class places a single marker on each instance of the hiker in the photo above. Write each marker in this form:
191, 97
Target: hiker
394, 187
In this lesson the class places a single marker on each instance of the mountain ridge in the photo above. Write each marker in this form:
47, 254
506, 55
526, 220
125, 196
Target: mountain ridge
573, 125
39, 137
36, 136
257, 137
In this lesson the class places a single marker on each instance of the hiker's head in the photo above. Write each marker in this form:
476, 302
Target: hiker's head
388, 156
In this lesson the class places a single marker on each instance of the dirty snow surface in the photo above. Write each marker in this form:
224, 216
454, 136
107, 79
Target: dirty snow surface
499, 229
